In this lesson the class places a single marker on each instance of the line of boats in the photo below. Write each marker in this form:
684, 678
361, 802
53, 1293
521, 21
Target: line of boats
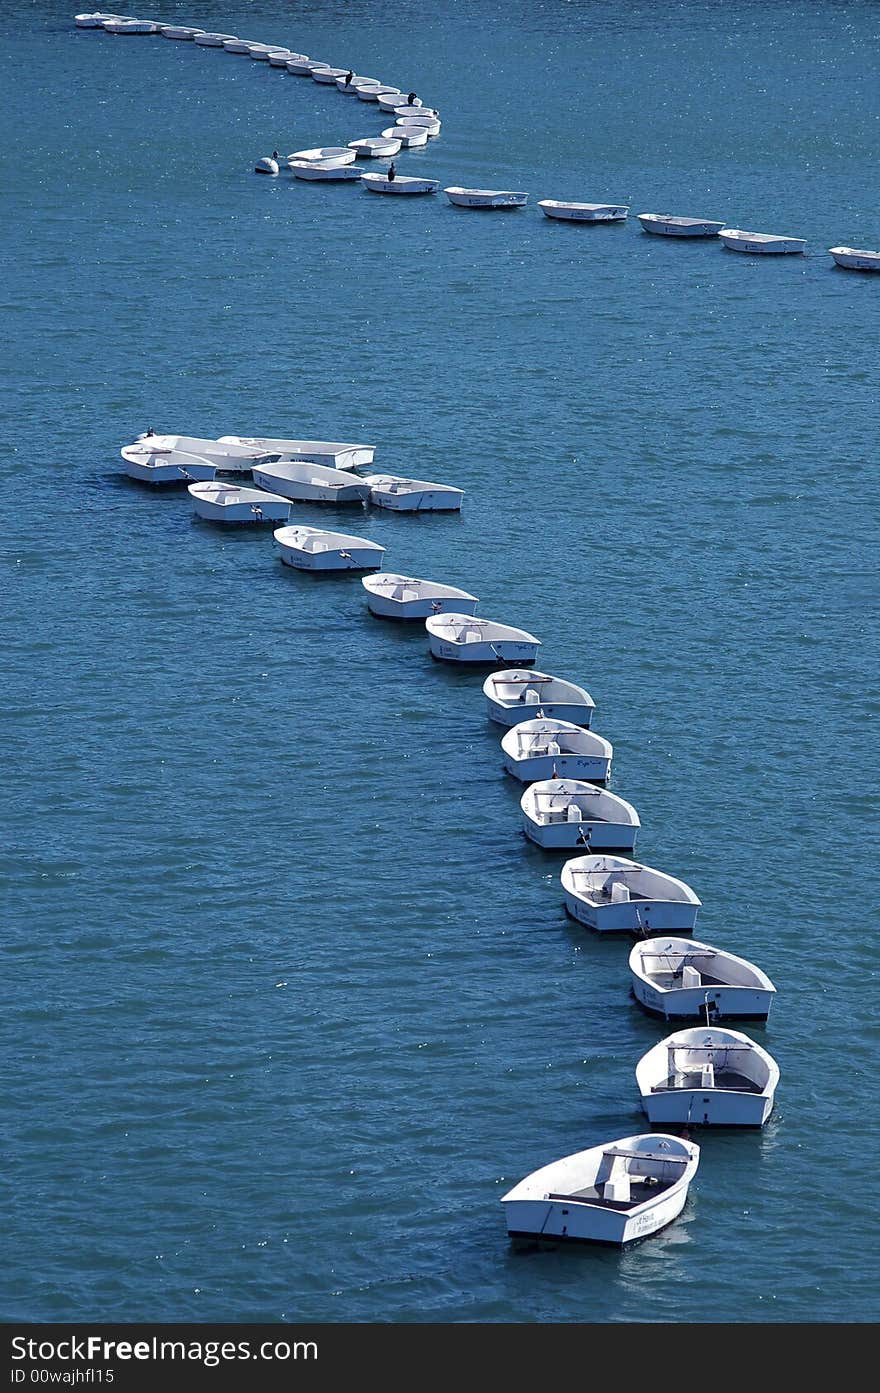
414, 125
704, 1074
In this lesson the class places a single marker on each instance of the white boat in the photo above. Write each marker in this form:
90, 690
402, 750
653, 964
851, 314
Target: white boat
324, 171
375, 147
178, 31
279, 57
412, 495
350, 83
485, 198
262, 52
130, 26
328, 75
266, 165
372, 91
416, 111
761, 242
402, 184
681, 980
665, 225
237, 46
311, 483
213, 40
332, 453
854, 260
95, 20
166, 466
707, 1076
614, 1194
403, 597
612, 894
462, 638
325, 155
300, 64
228, 456
513, 696
390, 101
418, 135
549, 749
431, 124
559, 814
583, 212
314, 549
231, 503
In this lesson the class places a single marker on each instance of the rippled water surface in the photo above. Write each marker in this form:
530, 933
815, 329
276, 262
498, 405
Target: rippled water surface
289, 1003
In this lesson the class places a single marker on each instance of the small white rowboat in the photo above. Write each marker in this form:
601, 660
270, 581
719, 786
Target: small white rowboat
307, 482
546, 749
315, 549
514, 696
664, 225
462, 638
683, 980
416, 135
485, 198
709, 1077
851, 259
401, 184
230, 503
213, 40
583, 212
328, 75
614, 1194
166, 466
375, 147
760, 242
559, 814
412, 495
402, 597
333, 453
320, 171
325, 155
612, 894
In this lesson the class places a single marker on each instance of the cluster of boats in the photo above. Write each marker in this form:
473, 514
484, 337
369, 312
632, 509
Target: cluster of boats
414, 124
704, 1073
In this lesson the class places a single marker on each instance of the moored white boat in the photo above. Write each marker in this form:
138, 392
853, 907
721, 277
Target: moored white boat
583, 212
513, 696
333, 453
559, 814
165, 466
328, 75
416, 111
665, 225
237, 46
300, 64
325, 155
404, 597
375, 147
680, 979
760, 242
231, 503
412, 495
229, 456
851, 259
416, 136
431, 124
262, 52
372, 91
208, 40
308, 482
178, 31
402, 184
130, 26
315, 549
266, 165
615, 1194
324, 171
463, 638
613, 894
279, 57
707, 1076
549, 749
347, 83
390, 101
95, 20
485, 198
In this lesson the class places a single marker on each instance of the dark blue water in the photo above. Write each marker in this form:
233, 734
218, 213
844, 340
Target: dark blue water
289, 1003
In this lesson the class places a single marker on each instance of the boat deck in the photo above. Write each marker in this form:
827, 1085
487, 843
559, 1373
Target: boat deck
727, 1080
640, 1190
674, 979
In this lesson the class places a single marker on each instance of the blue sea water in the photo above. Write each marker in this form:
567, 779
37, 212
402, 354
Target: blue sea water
288, 1003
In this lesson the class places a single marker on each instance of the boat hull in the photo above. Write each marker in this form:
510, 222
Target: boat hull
386, 608
642, 917
565, 1221
669, 228
594, 769
583, 836
608, 213
856, 260
574, 712
421, 501
490, 653
774, 246
270, 511
357, 559
376, 184
304, 492
707, 1107
725, 1003
493, 200
159, 473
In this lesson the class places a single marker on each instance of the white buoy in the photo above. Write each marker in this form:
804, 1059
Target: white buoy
267, 165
